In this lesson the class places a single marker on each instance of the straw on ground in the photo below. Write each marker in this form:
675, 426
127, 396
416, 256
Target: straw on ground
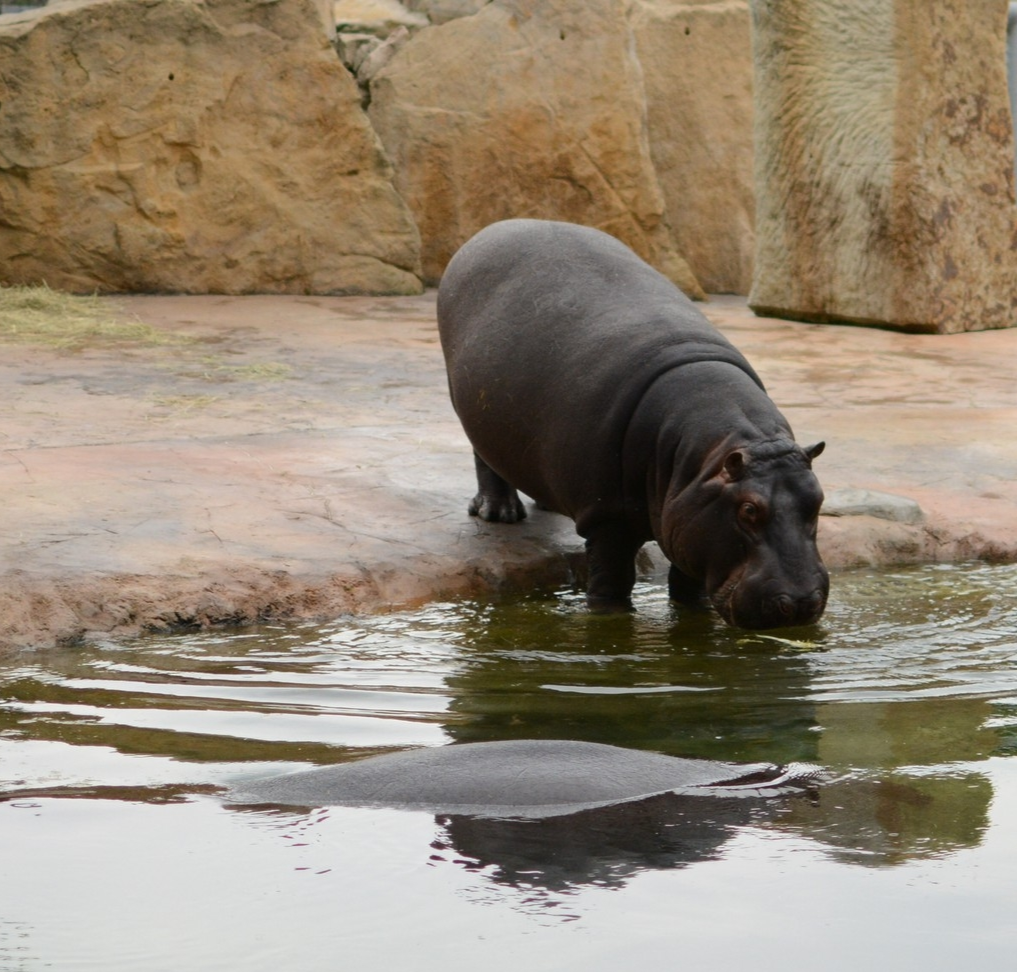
39, 315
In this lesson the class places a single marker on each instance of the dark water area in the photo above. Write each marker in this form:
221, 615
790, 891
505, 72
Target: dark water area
119, 849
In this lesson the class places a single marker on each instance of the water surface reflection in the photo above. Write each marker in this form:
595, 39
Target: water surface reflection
906, 691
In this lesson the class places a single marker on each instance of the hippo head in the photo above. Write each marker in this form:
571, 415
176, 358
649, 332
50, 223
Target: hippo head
745, 530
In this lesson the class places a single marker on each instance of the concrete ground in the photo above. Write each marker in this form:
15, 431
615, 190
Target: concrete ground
298, 457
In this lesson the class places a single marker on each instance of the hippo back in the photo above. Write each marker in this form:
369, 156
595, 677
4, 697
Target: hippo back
552, 333
520, 778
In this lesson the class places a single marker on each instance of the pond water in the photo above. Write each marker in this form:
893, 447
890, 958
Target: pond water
118, 850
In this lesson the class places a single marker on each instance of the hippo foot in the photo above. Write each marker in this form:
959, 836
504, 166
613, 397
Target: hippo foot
497, 509
497, 500
609, 605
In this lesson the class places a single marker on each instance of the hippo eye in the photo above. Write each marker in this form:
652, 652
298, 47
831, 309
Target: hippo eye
749, 512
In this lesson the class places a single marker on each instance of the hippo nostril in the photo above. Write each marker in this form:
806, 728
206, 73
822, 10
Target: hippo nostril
810, 608
779, 610
815, 602
785, 606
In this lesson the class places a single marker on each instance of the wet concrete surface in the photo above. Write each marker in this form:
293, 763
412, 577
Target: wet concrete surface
286, 457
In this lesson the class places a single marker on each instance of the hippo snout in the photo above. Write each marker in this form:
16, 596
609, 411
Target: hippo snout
744, 606
788, 610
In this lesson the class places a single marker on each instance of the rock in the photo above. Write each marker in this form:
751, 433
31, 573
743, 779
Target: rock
378, 17
869, 502
530, 109
379, 56
366, 54
325, 12
885, 189
697, 67
354, 48
1011, 66
192, 147
441, 11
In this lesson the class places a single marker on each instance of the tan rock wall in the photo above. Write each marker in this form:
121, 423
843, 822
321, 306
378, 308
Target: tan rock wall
174, 145
885, 187
528, 108
697, 69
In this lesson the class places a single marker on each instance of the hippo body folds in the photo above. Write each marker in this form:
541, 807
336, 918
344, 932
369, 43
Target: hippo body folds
588, 381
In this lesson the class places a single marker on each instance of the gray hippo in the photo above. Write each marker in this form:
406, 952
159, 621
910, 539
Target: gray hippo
586, 380
534, 779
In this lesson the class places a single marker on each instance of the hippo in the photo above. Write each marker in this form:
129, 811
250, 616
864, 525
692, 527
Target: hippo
586, 380
523, 778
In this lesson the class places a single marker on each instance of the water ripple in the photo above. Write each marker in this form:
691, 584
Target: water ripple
662, 678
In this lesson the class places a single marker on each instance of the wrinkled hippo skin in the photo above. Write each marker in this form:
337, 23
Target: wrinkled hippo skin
519, 778
586, 380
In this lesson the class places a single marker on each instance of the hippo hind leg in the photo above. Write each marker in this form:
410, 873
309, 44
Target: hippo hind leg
496, 501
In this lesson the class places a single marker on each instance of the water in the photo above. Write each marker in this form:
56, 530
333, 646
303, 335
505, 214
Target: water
118, 851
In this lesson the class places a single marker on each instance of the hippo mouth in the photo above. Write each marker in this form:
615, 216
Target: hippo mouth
745, 605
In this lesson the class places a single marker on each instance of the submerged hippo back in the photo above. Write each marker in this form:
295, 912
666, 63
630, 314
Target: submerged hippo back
535, 778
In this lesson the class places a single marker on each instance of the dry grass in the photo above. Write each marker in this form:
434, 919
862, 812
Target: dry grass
214, 369
266, 371
41, 316
38, 315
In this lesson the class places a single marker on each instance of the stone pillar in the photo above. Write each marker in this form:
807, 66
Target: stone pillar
697, 75
1011, 68
884, 163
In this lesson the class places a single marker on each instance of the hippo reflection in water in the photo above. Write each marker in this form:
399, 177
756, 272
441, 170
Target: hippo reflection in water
588, 381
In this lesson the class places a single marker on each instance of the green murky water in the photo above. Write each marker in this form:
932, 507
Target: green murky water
117, 851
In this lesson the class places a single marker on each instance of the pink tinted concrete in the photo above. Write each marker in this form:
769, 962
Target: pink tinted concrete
298, 457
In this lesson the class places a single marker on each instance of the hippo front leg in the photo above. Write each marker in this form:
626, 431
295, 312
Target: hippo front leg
611, 561
684, 590
496, 501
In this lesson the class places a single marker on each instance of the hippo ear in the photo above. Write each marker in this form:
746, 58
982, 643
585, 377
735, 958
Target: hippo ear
734, 465
813, 451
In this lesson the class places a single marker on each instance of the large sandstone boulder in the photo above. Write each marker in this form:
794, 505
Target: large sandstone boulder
179, 145
885, 180
526, 108
697, 68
